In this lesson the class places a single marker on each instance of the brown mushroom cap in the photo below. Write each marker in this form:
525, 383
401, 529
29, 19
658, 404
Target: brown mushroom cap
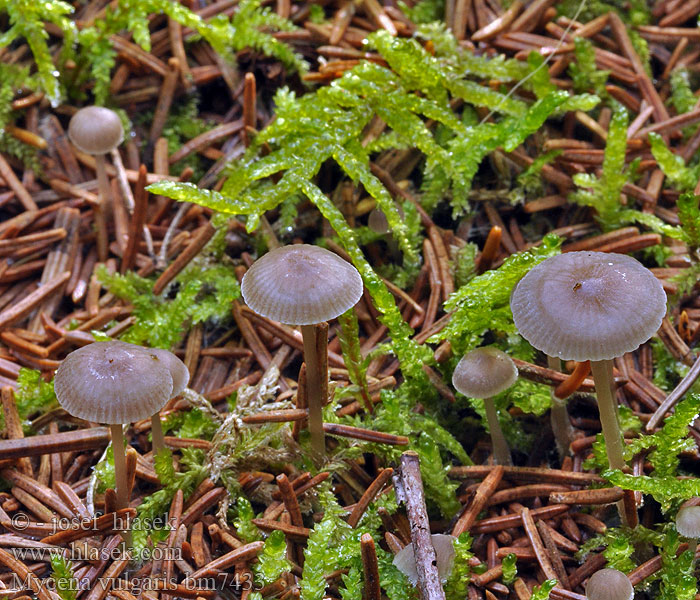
609, 584
177, 368
95, 130
588, 305
113, 382
301, 285
484, 373
688, 522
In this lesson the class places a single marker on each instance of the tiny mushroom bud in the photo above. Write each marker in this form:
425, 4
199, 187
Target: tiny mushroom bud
181, 376
114, 383
591, 306
304, 285
609, 584
484, 373
97, 130
405, 559
688, 525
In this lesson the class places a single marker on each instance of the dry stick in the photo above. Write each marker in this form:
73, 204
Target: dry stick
137, 221
13, 425
491, 246
249, 112
200, 239
374, 488
16, 185
481, 496
370, 567
409, 490
316, 358
671, 400
30, 302
165, 99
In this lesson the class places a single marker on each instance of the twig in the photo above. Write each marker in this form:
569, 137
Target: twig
409, 491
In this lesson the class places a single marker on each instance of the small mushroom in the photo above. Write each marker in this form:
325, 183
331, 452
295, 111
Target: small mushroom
591, 306
484, 373
688, 525
609, 584
405, 559
113, 383
97, 130
180, 376
304, 285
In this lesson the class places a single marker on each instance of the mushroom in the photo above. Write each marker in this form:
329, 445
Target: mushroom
590, 306
609, 584
405, 559
180, 376
484, 373
688, 525
114, 383
97, 130
304, 285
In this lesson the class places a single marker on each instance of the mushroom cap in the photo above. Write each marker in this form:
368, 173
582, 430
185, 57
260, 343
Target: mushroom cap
95, 130
301, 285
609, 584
177, 368
405, 559
588, 305
484, 372
113, 382
378, 222
688, 522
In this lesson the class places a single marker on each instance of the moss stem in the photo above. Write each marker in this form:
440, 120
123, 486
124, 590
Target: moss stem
315, 347
501, 451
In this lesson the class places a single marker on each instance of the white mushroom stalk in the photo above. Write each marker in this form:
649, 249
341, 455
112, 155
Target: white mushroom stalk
307, 286
114, 383
591, 306
484, 373
97, 130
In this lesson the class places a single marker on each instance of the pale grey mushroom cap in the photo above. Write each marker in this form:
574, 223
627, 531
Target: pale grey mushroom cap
177, 368
301, 285
95, 130
113, 382
484, 373
688, 522
609, 584
588, 305
405, 559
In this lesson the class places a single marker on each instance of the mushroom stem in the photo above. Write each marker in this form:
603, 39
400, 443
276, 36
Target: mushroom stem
559, 415
501, 451
119, 465
607, 407
316, 356
157, 434
101, 207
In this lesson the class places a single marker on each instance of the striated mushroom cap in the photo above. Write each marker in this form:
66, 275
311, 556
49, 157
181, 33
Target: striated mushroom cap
609, 584
588, 305
95, 130
484, 373
405, 559
178, 370
113, 382
688, 522
301, 285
